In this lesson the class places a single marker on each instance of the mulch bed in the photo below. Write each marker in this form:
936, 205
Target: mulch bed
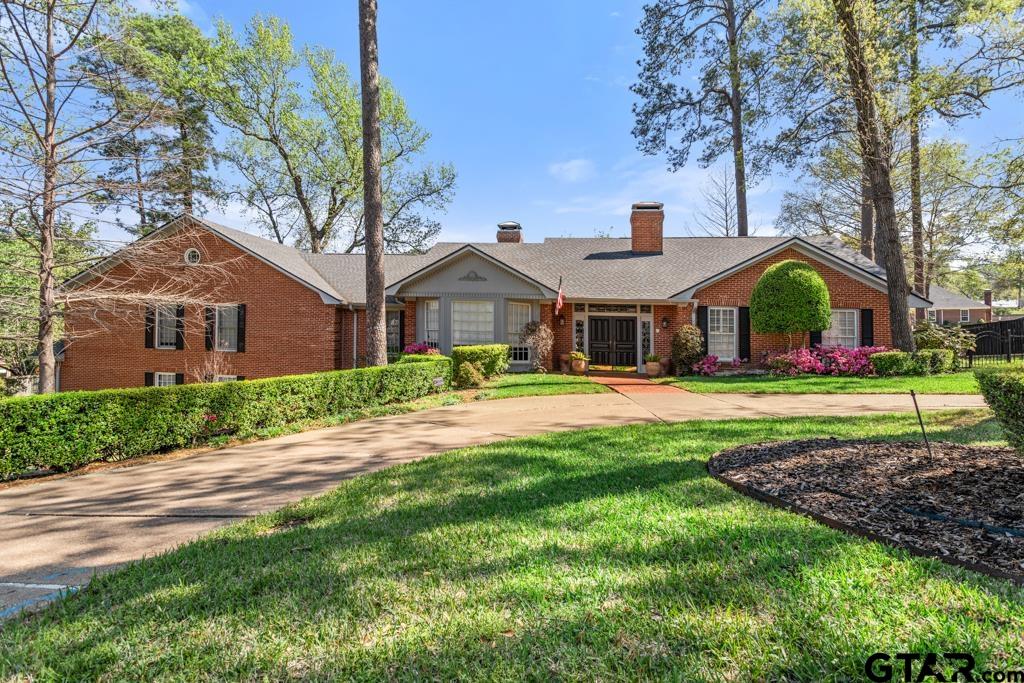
963, 505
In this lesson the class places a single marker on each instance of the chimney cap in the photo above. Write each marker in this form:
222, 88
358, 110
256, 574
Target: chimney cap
509, 225
648, 206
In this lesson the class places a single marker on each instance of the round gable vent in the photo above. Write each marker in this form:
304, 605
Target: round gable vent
192, 256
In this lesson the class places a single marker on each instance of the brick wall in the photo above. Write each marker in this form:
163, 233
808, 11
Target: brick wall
844, 291
288, 328
409, 333
646, 230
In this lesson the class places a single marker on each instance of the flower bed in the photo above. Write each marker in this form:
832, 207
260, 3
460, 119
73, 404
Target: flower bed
823, 360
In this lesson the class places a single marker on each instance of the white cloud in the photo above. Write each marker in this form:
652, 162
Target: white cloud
573, 170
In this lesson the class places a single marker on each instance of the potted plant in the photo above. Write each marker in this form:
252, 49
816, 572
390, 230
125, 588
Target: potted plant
579, 361
563, 362
652, 362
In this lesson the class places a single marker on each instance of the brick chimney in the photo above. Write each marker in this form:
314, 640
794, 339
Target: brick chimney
988, 297
647, 222
510, 232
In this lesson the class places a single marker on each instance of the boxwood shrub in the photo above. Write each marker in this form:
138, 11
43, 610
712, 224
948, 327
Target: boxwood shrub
1003, 390
922, 362
68, 430
889, 363
493, 358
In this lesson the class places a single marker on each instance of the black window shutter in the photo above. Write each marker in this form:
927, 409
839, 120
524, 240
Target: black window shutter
179, 341
149, 379
150, 326
815, 337
179, 378
867, 327
744, 333
211, 323
241, 328
240, 378
702, 324
401, 330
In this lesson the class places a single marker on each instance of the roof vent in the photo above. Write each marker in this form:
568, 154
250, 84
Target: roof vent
510, 232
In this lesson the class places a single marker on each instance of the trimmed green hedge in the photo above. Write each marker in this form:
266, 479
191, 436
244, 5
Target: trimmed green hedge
493, 358
923, 362
421, 358
1003, 390
68, 430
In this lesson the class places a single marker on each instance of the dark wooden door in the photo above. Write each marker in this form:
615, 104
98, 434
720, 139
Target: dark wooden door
600, 341
624, 344
612, 341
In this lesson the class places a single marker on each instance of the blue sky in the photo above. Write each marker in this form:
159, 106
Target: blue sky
531, 103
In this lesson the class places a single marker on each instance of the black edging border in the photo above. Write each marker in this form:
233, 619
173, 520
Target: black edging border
775, 501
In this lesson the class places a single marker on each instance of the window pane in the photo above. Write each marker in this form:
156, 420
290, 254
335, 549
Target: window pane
432, 324
166, 327
164, 379
518, 315
722, 333
227, 328
843, 331
472, 322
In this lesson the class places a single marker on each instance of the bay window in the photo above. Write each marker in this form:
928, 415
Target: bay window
472, 322
844, 329
722, 333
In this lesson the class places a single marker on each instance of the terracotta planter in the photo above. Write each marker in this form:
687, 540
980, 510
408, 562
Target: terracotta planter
563, 362
653, 368
579, 366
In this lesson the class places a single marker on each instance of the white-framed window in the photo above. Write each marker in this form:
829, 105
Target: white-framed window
432, 322
166, 326
844, 329
227, 328
164, 379
226, 378
393, 325
517, 315
472, 322
722, 333
965, 315
931, 314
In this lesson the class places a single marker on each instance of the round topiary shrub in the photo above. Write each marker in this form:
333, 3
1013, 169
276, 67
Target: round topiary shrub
790, 298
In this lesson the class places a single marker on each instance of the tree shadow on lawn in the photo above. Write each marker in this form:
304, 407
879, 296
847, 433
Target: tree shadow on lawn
599, 553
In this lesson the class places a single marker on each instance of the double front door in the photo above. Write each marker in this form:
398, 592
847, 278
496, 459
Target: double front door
613, 341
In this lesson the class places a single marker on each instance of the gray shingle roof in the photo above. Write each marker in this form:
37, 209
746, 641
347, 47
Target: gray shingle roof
944, 299
590, 268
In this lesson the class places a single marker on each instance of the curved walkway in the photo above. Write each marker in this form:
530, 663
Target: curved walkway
55, 534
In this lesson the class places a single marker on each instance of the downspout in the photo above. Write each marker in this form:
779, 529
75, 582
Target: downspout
355, 336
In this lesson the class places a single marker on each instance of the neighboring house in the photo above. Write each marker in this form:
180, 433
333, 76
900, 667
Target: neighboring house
950, 308
295, 312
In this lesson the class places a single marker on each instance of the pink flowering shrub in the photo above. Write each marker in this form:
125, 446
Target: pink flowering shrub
824, 360
421, 348
706, 366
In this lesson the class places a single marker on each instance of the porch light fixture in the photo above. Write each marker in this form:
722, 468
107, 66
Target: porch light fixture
561, 320
664, 322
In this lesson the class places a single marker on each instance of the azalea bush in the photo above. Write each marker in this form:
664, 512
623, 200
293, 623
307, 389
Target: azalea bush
825, 360
421, 349
706, 366
687, 347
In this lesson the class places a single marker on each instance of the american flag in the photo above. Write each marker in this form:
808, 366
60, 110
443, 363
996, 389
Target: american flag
561, 298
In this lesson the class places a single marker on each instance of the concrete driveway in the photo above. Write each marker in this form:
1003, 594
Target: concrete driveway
55, 534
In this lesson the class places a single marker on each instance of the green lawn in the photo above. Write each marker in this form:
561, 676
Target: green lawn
600, 554
953, 383
514, 385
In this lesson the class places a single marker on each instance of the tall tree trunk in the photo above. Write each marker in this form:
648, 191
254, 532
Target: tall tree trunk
867, 217
373, 221
140, 196
47, 361
736, 107
879, 172
916, 214
187, 164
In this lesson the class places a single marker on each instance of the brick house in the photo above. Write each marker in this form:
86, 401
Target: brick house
284, 311
951, 308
